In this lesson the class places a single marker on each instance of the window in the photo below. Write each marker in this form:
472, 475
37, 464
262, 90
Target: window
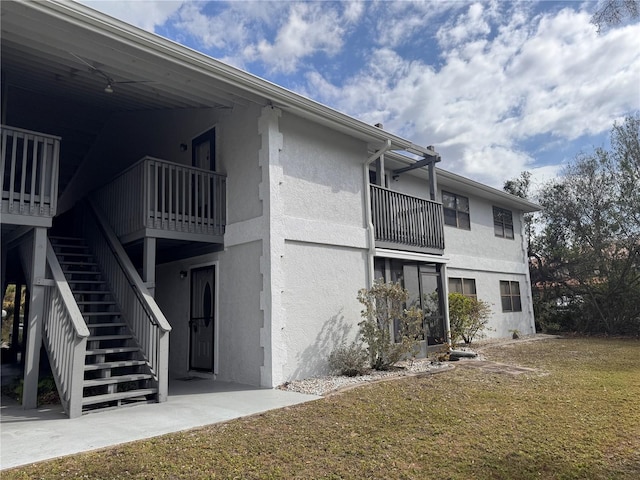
502, 222
465, 286
456, 210
510, 295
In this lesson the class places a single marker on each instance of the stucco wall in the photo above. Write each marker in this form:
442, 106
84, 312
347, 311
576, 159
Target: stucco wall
322, 173
238, 312
322, 310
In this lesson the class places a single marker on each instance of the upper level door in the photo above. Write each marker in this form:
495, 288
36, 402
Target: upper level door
203, 150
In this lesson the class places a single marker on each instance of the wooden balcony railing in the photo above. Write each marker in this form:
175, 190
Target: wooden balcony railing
404, 222
29, 176
167, 200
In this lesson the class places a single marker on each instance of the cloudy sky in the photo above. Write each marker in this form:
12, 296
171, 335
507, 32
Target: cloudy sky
497, 86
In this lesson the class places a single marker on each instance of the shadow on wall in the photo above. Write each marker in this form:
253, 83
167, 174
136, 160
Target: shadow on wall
313, 360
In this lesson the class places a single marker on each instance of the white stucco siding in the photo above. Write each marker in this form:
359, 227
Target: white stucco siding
239, 319
239, 142
501, 324
320, 300
480, 242
322, 173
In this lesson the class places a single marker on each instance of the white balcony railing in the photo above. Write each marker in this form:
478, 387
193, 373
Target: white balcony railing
165, 197
29, 173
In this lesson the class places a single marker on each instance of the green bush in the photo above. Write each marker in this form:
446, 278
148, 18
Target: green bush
468, 317
384, 306
349, 360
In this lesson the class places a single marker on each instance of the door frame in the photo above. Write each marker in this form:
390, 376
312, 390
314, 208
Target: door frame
216, 327
203, 134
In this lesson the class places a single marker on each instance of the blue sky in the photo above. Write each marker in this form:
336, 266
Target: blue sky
497, 87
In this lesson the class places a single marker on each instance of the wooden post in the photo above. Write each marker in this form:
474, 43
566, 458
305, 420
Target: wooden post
15, 332
149, 264
432, 180
36, 310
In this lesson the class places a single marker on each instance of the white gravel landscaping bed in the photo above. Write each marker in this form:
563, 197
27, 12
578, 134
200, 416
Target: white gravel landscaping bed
331, 383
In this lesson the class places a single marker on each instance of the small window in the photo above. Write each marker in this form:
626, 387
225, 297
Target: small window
502, 222
456, 210
465, 286
510, 295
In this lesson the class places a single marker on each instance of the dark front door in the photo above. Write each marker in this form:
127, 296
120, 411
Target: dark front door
202, 319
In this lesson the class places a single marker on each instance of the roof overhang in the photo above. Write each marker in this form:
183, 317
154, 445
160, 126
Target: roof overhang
43, 41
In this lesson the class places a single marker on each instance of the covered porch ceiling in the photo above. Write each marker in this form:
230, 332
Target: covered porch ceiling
73, 59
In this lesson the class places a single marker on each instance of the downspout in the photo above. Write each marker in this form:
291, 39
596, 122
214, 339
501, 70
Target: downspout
367, 208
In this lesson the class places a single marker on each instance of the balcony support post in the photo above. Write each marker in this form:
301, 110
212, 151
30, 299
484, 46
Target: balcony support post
36, 311
149, 264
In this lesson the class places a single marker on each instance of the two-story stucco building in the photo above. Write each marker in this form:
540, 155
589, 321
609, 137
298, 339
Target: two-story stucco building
203, 221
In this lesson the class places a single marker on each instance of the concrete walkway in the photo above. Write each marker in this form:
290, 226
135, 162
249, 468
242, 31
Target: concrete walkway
28, 436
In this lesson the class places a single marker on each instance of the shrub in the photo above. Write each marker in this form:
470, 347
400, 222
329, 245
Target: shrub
468, 317
384, 309
349, 360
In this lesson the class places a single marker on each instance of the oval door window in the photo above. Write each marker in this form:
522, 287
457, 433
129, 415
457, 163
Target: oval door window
207, 305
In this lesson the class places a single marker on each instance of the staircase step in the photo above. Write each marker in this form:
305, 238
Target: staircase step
72, 262
106, 365
72, 254
101, 314
107, 351
56, 238
83, 272
98, 338
110, 397
92, 282
95, 302
96, 382
106, 325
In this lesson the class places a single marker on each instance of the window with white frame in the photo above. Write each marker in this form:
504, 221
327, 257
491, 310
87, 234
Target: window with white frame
502, 222
456, 210
510, 296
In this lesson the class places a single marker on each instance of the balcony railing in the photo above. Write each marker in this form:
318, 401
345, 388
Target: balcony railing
166, 200
404, 222
29, 176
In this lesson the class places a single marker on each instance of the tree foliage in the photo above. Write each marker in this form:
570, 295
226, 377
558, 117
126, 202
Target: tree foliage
588, 252
468, 317
521, 187
614, 12
384, 307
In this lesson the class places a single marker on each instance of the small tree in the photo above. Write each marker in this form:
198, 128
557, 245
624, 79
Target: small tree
468, 317
384, 308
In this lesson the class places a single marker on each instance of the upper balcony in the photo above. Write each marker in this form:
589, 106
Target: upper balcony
404, 222
30, 162
161, 199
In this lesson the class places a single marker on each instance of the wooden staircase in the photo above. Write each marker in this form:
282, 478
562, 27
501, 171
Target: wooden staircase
115, 371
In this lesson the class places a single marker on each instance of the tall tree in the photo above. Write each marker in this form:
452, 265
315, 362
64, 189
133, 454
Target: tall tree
590, 242
613, 12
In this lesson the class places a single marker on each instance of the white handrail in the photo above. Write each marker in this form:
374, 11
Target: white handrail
145, 319
29, 172
163, 196
65, 337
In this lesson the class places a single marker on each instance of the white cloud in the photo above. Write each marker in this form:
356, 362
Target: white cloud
309, 28
499, 85
147, 14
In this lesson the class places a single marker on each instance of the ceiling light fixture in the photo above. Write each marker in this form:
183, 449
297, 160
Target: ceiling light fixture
108, 88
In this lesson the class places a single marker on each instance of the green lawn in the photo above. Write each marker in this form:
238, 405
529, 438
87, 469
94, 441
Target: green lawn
578, 416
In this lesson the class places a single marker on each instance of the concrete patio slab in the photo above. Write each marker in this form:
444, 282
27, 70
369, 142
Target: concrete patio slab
28, 436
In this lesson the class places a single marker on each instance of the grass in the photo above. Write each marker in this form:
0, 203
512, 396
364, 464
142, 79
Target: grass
576, 417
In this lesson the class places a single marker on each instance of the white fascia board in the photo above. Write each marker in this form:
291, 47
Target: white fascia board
485, 191
278, 96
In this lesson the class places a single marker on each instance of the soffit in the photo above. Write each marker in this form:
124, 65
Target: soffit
40, 53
